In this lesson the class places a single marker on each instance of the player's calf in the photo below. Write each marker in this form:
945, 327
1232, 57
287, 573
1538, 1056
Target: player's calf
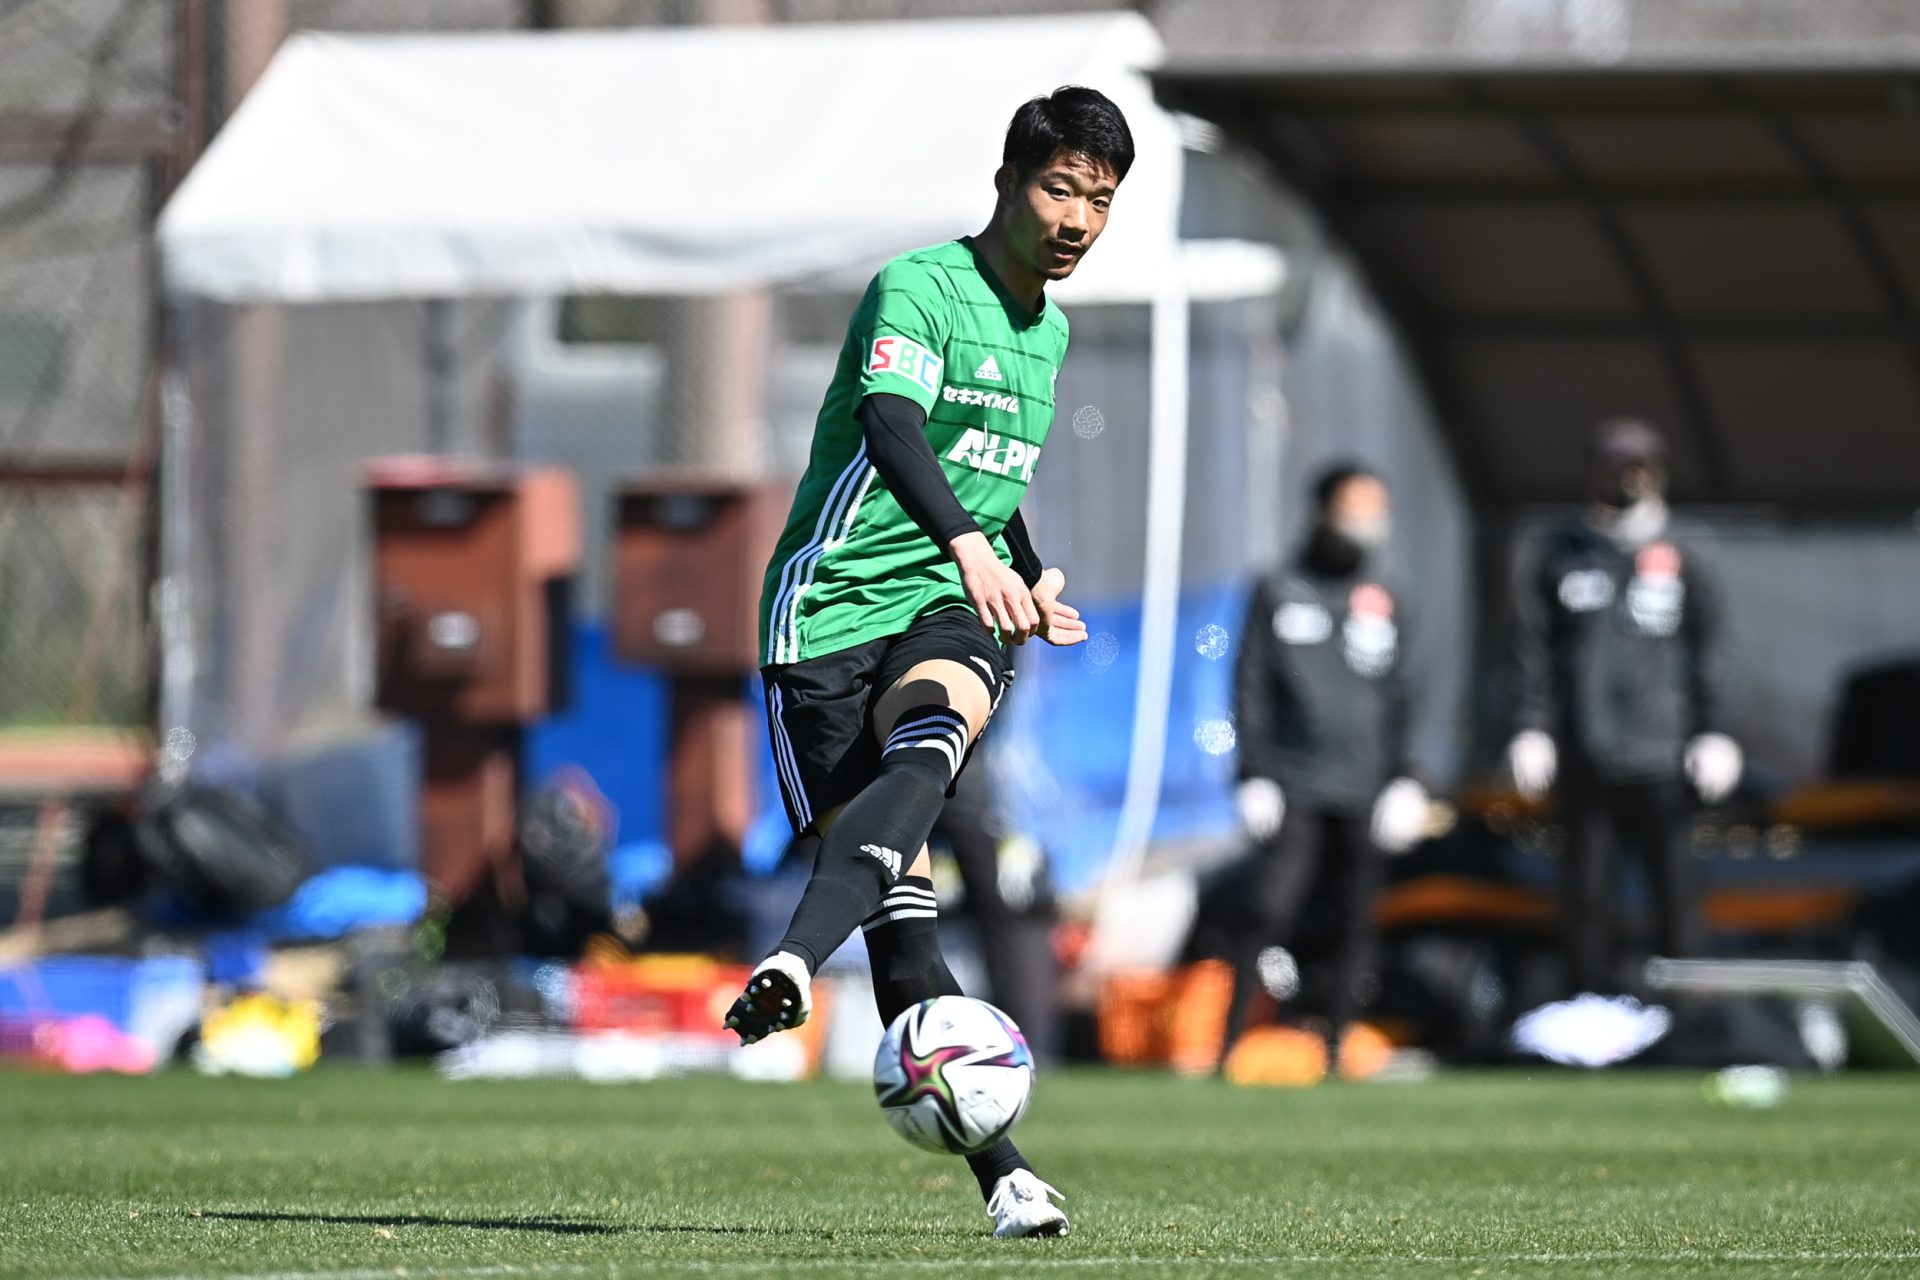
879, 831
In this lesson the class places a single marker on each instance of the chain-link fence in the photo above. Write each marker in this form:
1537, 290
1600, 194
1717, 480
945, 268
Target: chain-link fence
77, 83
86, 124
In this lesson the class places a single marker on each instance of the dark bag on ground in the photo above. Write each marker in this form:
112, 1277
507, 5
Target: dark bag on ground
442, 1009
218, 847
563, 833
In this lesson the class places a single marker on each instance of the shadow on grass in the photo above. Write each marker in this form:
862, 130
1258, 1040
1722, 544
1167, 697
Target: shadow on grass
690, 1229
543, 1225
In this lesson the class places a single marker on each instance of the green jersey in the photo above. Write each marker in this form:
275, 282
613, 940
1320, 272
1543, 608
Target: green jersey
936, 327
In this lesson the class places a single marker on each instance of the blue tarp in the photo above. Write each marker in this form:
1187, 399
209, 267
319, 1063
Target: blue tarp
1069, 728
330, 904
111, 987
615, 729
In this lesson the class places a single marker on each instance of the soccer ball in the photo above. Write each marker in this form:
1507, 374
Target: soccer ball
953, 1074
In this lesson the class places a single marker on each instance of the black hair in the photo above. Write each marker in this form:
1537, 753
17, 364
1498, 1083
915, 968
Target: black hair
1073, 119
1335, 478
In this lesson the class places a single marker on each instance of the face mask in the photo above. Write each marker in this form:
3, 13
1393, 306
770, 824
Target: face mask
1628, 485
1635, 524
1335, 552
1367, 535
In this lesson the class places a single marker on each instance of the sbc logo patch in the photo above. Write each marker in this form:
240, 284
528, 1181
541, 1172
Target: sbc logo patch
908, 359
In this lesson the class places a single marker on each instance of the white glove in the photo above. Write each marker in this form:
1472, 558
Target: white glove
1400, 816
1534, 762
1262, 805
1714, 765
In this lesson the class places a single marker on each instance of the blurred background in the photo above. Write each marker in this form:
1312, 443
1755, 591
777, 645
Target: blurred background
398, 402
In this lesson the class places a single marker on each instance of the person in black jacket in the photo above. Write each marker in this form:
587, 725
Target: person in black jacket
1617, 648
1321, 702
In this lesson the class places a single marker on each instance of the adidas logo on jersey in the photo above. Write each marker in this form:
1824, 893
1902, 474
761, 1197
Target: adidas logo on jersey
988, 371
889, 858
997, 455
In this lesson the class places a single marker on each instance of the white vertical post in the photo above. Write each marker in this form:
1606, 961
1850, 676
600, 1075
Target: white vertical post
172, 602
1160, 593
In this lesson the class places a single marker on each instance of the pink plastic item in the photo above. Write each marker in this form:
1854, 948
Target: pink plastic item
90, 1043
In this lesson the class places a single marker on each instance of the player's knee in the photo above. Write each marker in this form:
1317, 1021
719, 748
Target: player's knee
928, 743
940, 681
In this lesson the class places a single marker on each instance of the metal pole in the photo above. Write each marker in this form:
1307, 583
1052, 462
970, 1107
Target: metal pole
172, 590
1160, 595
440, 359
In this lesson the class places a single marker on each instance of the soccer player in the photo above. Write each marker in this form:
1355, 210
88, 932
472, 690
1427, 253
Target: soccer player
905, 573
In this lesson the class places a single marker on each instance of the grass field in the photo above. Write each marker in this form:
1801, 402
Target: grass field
345, 1174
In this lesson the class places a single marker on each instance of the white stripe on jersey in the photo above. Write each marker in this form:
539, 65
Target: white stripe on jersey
843, 527
830, 512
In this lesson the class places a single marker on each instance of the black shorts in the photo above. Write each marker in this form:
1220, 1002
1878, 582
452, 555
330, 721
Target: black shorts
820, 712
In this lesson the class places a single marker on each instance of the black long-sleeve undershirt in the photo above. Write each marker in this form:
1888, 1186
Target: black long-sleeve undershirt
895, 430
896, 434
1026, 561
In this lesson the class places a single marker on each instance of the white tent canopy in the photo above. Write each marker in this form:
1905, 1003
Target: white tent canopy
685, 161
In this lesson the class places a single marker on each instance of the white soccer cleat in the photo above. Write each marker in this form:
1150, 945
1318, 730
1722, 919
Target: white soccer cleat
779, 996
1020, 1208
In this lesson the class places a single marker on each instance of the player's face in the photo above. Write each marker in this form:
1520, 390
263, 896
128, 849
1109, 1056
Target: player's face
1055, 214
1363, 510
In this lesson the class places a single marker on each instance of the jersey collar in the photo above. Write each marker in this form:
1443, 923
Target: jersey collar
1017, 311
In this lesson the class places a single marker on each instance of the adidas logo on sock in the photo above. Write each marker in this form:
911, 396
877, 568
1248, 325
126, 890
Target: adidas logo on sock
889, 858
988, 371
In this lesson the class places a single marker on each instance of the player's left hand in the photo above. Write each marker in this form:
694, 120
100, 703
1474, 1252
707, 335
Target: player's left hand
1060, 623
1714, 765
1400, 816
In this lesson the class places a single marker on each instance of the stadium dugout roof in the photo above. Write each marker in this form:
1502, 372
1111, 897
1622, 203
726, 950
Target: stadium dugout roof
661, 161
1702, 212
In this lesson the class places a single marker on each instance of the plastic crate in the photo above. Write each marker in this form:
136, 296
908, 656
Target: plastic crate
1172, 1019
653, 997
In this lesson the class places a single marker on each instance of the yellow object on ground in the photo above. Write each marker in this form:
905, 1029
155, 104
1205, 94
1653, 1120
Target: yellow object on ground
259, 1035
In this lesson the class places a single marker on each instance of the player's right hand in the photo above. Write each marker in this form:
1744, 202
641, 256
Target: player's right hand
998, 594
1263, 807
1534, 762
1060, 622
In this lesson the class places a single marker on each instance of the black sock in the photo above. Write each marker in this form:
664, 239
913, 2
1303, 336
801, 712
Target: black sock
903, 952
995, 1163
878, 834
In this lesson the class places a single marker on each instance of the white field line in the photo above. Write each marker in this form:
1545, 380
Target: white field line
1026, 1260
